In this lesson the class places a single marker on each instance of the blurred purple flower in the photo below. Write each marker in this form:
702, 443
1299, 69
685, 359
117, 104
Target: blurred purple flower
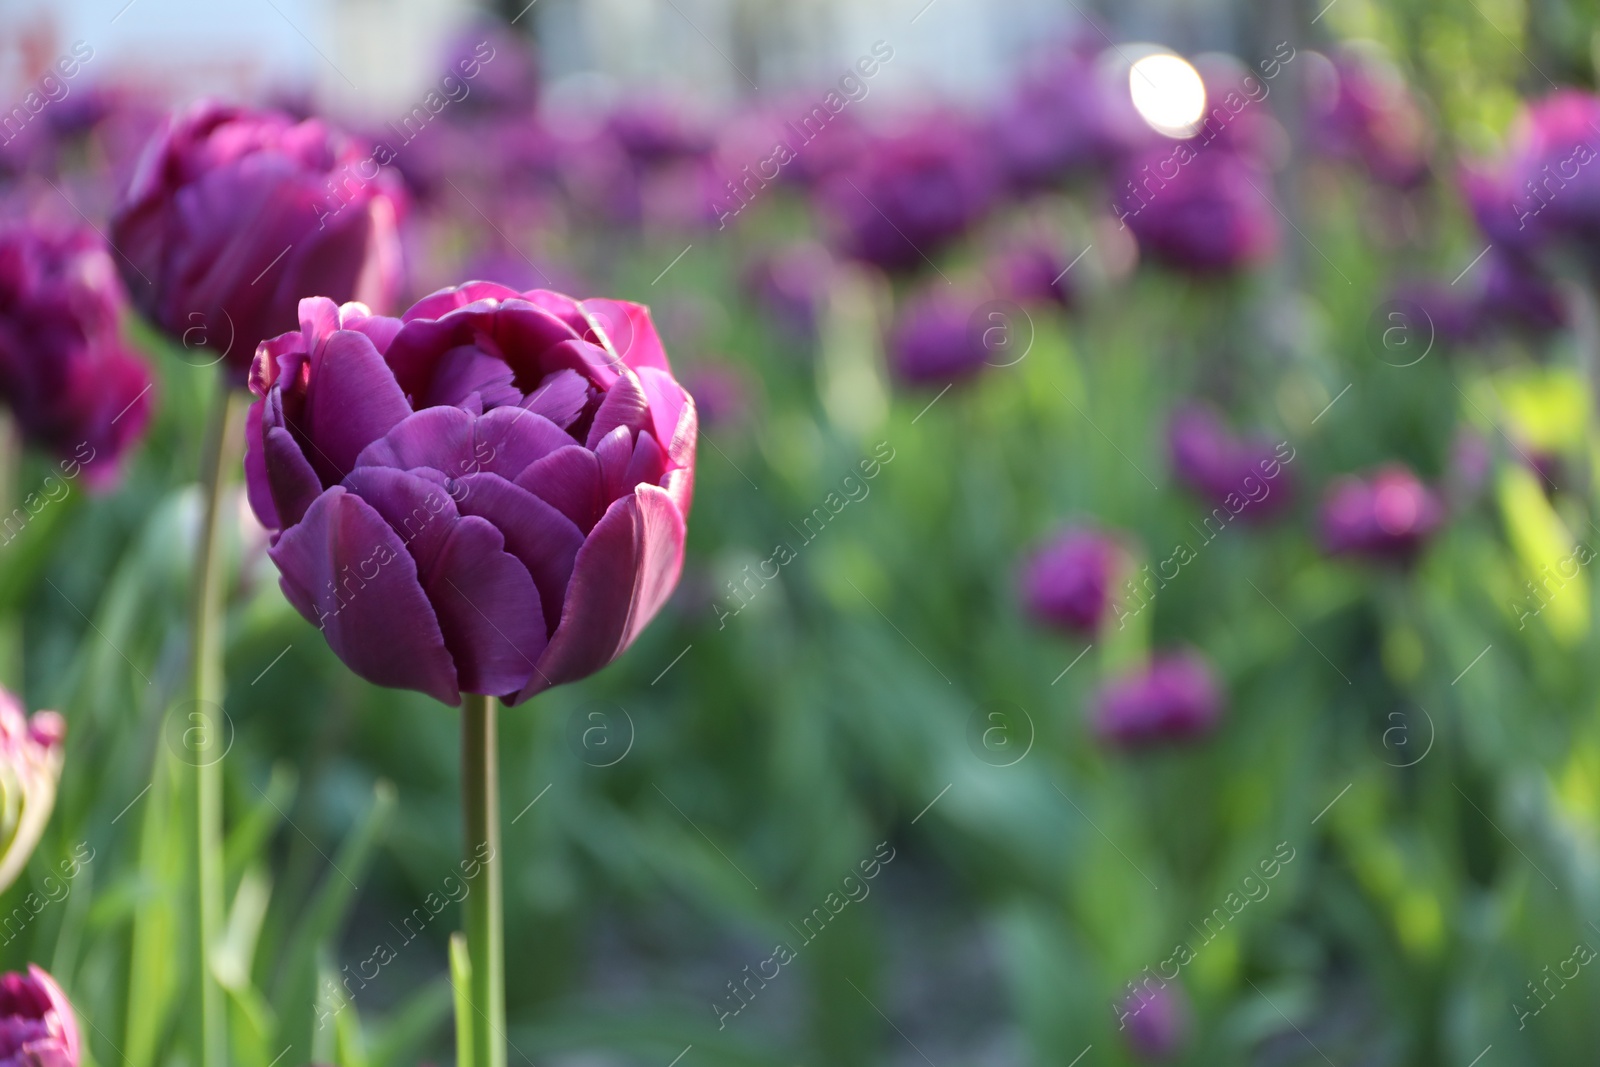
500, 67
1545, 189
1156, 1022
936, 338
1202, 209
791, 284
1388, 514
1174, 698
1363, 112
1060, 119
1067, 583
37, 1025
1519, 294
1225, 470
909, 194
721, 394
653, 133
72, 384
1031, 272
485, 496
234, 215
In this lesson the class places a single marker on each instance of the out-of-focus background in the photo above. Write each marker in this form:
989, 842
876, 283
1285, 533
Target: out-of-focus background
1137, 603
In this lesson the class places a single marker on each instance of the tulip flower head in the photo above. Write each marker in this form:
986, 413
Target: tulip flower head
30, 767
1174, 698
234, 215
486, 495
1067, 583
1387, 515
72, 384
37, 1026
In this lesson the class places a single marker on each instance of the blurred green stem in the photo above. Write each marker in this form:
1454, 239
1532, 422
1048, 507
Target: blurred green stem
205, 662
485, 921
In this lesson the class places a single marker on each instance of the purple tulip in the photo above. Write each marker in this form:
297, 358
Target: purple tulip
37, 1026
1067, 583
1031, 272
1062, 118
72, 384
1201, 208
1245, 476
487, 495
1387, 515
939, 336
1156, 1022
234, 215
1519, 295
1174, 698
1363, 112
721, 394
498, 66
653, 134
909, 194
1545, 190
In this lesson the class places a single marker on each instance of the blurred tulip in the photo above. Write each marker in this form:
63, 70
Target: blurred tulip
1062, 118
486, 496
939, 335
72, 384
30, 767
1247, 476
1174, 698
1067, 583
721, 394
909, 194
37, 1025
1544, 191
234, 215
1363, 112
1031, 272
1200, 208
499, 66
1387, 515
1518, 294
1156, 1023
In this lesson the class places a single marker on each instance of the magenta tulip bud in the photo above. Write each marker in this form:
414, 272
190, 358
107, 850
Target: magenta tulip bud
31, 754
1174, 698
487, 495
1031, 272
1155, 1022
72, 384
1067, 583
37, 1026
234, 215
1387, 515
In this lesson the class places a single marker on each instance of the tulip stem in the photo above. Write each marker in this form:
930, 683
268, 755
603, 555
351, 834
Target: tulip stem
203, 724
485, 918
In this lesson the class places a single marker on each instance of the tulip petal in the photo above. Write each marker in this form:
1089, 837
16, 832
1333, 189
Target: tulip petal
615, 452
255, 470
417, 508
545, 540
382, 626
440, 438
560, 397
624, 573
624, 405
569, 480
649, 464
631, 331
352, 400
507, 439
488, 609
673, 415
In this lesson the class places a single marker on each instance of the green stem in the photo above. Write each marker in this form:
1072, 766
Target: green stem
218, 460
485, 920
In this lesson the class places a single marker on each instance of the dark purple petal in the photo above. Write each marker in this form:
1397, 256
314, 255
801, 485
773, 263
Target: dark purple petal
488, 609
346, 571
569, 480
545, 540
